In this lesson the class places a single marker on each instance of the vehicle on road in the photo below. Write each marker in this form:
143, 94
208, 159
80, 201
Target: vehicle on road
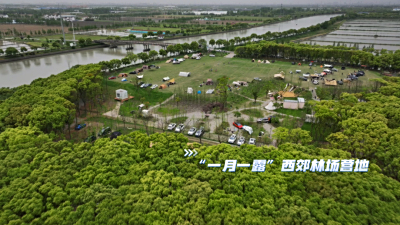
104, 131
238, 125
232, 139
112, 78
179, 128
241, 141
252, 141
171, 126
80, 126
262, 120
192, 131
199, 132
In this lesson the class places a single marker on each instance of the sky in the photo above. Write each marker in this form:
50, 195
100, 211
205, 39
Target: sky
214, 2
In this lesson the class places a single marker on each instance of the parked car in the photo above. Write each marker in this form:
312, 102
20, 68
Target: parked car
199, 132
89, 139
303, 78
133, 72
232, 139
361, 72
179, 128
241, 141
80, 126
262, 120
154, 86
140, 83
238, 125
104, 131
176, 62
181, 59
115, 134
353, 77
152, 66
198, 57
171, 126
212, 55
327, 71
343, 68
315, 82
340, 82
328, 66
252, 141
192, 131
112, 78
166, 78
142, 86
334, 69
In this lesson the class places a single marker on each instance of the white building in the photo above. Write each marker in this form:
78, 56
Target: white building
121, 94
396, 9
3, 16
210, 12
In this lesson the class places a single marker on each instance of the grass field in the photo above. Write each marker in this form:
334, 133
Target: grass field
292, 112
234, 68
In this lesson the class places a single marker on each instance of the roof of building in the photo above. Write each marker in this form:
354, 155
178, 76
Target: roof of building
288, 94
301, 100
293, 101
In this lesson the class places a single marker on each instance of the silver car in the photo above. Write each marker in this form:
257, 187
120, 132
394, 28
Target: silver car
171, 126
179, 128
240, 141
232, 139
252, 141
192, 131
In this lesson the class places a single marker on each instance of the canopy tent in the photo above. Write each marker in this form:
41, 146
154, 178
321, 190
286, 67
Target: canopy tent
209, 82
140, 76
168, 61
248, 129
190, 90
195, 56
123, 75
314, 75
270, 106
162, 86
184, 74
279, 76
145, 67
172, 81
330, 82
186, 56
139, 70
210, 91
236, 83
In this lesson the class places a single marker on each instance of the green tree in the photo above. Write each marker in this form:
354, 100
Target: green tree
89, 41
11, 51
81, 42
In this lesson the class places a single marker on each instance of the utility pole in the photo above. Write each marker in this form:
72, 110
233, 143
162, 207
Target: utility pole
62, 28
281, 10
73, 33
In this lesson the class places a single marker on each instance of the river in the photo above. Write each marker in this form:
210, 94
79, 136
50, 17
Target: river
21, 72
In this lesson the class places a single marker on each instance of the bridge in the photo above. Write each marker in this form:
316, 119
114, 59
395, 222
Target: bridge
146, 44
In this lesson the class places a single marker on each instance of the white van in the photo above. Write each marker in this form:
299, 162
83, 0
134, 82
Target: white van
328, 66
327, 71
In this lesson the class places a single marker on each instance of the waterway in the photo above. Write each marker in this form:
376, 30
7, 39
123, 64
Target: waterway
21, 72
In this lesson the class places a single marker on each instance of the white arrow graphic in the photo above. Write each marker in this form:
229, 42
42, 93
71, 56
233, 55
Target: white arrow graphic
190, 153
186, 153
195, 152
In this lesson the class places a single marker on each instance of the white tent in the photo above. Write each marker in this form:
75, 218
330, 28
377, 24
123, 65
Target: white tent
210, 91
184, 74
140, 76
195, 56
121, 94
248, 129
190, 90
270, 106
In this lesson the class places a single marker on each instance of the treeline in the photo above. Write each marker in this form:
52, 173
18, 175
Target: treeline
52, 103
388, 60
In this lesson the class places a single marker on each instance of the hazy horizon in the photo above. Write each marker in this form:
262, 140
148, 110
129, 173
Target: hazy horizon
204, 2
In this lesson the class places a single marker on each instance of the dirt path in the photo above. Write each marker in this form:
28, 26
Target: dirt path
230, 55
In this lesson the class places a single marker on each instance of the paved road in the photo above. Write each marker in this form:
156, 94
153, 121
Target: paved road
230, 55
314, 94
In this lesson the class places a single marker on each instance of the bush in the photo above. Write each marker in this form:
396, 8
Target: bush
274, 120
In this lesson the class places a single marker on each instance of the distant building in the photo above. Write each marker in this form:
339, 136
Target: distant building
3, 16
396, 9
117, 11
160, 37
210, 12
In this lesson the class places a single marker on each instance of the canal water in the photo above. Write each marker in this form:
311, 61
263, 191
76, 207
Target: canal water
21, 72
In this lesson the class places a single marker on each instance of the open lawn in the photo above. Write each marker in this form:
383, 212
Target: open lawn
235, 68
292, 112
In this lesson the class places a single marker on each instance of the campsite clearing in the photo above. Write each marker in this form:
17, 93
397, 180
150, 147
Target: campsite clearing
234, 68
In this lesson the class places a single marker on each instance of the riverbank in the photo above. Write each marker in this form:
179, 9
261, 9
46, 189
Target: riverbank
50, 53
